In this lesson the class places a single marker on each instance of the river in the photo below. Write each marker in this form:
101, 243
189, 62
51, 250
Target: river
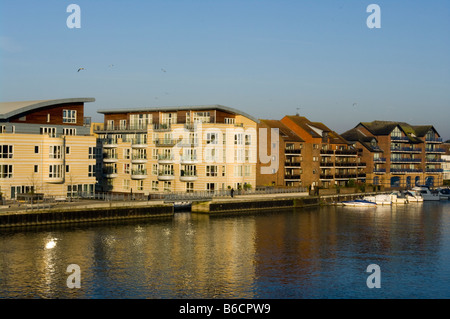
317, 252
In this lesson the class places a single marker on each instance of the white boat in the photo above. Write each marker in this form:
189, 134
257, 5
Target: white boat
398, 198
413, 196
359, 203
427, 194
379, 199
444, 192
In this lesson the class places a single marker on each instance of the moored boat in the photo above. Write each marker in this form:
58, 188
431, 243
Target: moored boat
444, 192
379, 199
427, 194
413, 196
359, 203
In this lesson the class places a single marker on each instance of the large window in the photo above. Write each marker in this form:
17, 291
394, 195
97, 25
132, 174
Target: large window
55, 151
55, 171
6, 171
69, 116
202, 117
6, 151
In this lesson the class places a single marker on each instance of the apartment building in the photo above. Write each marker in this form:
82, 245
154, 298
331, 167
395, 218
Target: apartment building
328, 159
177, 149
399, 154
46, 147
283, 164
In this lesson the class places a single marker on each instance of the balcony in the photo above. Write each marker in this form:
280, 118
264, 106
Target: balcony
169, 142
188, 159
345, 176
434, 150
379, 170
291, 151
109, 158
326, 177
405, 170
162, 127
292, 164
345, 164
361, 164
138, 174
406, 160
139, 159
435, 160
346, 152
433, 140
291, 177
380, 160
109, 143
110, 172
399, 138
326, 164
165, 159
133, 127
326, 152
166, 175
434, 170
406, 149
188, 176
139, 143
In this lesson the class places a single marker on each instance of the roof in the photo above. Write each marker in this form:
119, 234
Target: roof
285, 131
179, 108
305, 124
355, 135
413, 132
10, 109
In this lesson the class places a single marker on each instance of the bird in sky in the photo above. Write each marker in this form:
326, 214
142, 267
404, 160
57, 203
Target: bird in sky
163, 70
80, 69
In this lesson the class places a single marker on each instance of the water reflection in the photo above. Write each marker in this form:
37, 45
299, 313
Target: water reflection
305, 253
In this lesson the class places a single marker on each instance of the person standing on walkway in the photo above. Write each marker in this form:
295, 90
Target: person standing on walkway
232, 192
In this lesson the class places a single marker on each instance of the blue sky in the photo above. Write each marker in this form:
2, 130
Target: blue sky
268, 58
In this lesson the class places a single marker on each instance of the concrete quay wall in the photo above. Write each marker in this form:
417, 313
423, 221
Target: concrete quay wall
78, 215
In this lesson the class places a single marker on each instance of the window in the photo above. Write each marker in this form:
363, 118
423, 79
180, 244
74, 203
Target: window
67, 149
92, 152
155, 154
210, 187
48, 117
36, 168
67, 169
6, 171
189, 187
50, 131
155, 186
69, 116
247, 170
126, 168
211, 138
224, 170
154, 169
55, 151
36, 150
211, 170
140, 185
126, 153
238, 171
168, 118
202, 117
229, 120
123, 124
91, 170
55, 171
6, 151
69, 131
210, 155
248, 139
238, 139
167, 186
126, 184
239, 156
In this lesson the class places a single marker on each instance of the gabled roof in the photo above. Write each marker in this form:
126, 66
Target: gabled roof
180, 108
355, 135
285, 131
305, 124
10, 109
413, 132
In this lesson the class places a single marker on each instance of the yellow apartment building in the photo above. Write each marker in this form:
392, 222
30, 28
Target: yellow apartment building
46, 147
177, 149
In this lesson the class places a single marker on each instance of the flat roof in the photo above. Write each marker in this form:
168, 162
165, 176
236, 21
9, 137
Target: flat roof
10, 109
179, 108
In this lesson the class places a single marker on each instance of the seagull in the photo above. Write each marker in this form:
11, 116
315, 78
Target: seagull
163, 70
111, 65
80, 69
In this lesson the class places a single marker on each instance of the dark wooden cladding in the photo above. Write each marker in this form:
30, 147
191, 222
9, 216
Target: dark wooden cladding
220, 116
40, 116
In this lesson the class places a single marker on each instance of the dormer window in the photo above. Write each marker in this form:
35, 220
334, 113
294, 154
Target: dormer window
69, 116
